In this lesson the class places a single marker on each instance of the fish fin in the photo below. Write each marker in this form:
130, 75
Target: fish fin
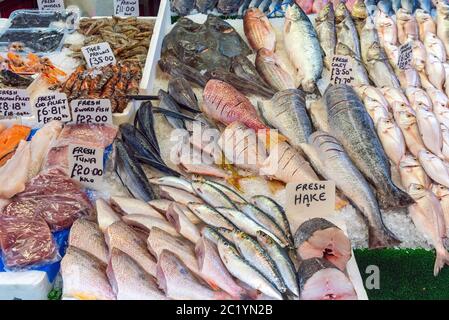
392, 198
382, 238
442, 258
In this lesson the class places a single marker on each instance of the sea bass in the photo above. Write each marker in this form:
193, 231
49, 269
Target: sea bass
258, 30
351, 182
303, 47
352, 126
222, 102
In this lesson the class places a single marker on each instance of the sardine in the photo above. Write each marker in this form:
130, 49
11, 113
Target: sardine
352, 126
211, 195
327, 34
351, 182
303, 47
210, 216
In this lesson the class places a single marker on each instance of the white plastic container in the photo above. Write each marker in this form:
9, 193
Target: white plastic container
27, 285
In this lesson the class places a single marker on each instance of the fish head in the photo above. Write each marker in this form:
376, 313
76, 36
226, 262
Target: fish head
422, 15
425, 155
374, 51
341, 12
417, 191
295, 13
406, 118
402, 15
408, 161
343, 49
254, 13
359, 10
327, 13
386, 123
439, 190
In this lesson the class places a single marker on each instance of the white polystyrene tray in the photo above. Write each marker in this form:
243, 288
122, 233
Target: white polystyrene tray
27, 285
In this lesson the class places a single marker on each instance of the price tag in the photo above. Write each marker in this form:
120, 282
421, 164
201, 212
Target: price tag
126, 8
405, 56
98, 55
311, 199
86, 165
15, 103
342, 70
91, 111
52, 107
56, 5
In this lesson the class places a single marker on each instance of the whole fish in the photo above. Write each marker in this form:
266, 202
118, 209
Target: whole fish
212, 195
228, 190
396, 99
178, 282
427, 215
359, 14
386, 28
446, 78
258, 30
372, 95
105, 215
84, 276
351, 182
407, 121
435, 46
409, 78
408, 6
222, 102
244, 68
419, 56
176, 216
407, 26
435, 168
129, 281
425, 23
119, 235
243, 271
346, 30
131, 173
180, 90
210, 216
325, 28
204, 6
442, 193
435, 71
273, 70
440, 106
274, 210
174, 182
429, 128
360, 74
182, 7
412, 172
443, 23
87, 236
287, 112
392, 140
352, 126
214, 271
178, 195
171, 65
228, 6
303, 47
368, 36
375, 109
281, 260
445, 135
379, 69
418, 98
159, 241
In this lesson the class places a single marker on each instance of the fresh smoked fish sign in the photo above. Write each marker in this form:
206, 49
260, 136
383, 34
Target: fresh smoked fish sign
315, 199
56, 5
86, 165
342, 70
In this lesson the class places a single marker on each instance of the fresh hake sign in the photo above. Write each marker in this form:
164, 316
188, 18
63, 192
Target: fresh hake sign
314, 199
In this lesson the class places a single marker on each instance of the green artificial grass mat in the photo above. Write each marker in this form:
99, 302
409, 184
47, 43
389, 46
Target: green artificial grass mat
405, 274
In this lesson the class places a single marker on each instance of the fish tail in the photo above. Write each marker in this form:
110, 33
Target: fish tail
382, 238
393, 198
441, 259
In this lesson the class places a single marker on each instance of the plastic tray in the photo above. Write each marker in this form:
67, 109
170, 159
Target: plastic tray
42, 19
33, 39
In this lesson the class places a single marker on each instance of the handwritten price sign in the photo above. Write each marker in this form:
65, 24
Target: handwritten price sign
98, 55
405, 56
126, 8
55, 5
92, 111
52, 107
342, 70
86, 165
15, 103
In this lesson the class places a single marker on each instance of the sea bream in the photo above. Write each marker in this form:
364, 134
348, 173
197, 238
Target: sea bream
442, 193
443, 23
392, 140
351, 124
425, 23
320, 280
223, 103
407, 121
445, 136
303, 47
435, 168
435, 46
427, 215
429, 128
412, 172
407, 26
351, 182
346, 30
273, 70
386, 29
325, 28
258, 30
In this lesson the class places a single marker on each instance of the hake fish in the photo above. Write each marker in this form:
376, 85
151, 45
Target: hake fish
351, 182
303, 47
325, 28
346, 30
351, 124
287, 112
258, 30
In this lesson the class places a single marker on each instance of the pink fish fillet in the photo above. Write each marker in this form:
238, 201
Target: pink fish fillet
14, 174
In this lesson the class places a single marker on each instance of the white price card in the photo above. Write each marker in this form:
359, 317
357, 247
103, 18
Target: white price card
310, 199
405, 56
52, 107
126, 8
15, 103
342, 71
86, 165
98, 55
91, 111
56, 5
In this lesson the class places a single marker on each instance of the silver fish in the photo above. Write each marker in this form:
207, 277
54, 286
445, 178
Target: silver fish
325, 28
